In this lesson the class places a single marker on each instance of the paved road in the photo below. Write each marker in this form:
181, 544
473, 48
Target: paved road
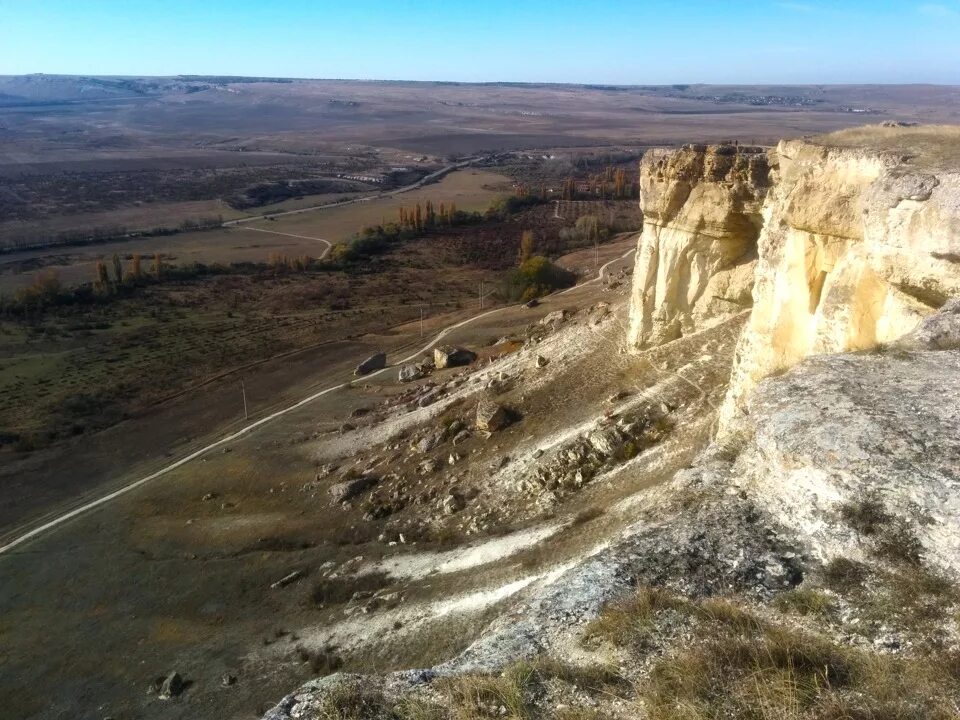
51, 524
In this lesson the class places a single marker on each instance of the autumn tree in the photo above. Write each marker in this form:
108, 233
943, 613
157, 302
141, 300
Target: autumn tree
117, 270
101, 280
527, 242
135, 270
157, 266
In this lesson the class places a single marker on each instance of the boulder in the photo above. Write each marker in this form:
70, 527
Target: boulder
374, 362
448, 356
411, 372
531, 303
554, 318
540, 361
343, 491
171, 686
451, 504
491, 416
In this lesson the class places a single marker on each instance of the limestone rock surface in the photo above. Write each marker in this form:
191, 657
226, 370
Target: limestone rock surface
701, 219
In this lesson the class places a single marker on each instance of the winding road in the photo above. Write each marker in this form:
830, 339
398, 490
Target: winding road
61, 519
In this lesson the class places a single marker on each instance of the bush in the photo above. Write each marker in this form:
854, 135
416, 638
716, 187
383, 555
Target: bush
536, 277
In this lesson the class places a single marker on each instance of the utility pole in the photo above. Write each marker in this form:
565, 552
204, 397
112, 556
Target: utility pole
421, 321
243, 389
481, 294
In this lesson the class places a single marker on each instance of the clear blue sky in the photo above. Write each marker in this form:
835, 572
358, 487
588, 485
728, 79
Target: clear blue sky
603, 41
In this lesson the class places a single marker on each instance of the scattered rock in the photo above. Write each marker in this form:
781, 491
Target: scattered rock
359, 412
374, 362
171, 687
429, 398
531, 303
541, 361
446, 356
428, 466
347, 427
228, 680
429, 441
287, 579
409, 373
347, 489
209, 496
554, 318
618, 396
491, 416
451, 504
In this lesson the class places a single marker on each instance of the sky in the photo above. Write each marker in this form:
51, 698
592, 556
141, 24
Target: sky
578, 41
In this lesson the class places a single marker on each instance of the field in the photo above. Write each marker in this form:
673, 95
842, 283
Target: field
468, 189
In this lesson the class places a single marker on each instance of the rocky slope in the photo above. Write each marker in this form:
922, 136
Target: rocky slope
826, 512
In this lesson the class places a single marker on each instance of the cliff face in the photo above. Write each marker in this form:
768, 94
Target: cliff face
853, 248
696, 256
856, 249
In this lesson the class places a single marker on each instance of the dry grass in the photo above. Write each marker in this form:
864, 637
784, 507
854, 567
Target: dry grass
925, 145
768, 672
804, 601
627, 622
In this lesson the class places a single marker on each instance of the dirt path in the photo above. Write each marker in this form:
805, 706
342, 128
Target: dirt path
69, 515
328, 245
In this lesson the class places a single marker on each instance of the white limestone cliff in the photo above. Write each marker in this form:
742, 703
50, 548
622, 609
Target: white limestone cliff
695, 259
853, 248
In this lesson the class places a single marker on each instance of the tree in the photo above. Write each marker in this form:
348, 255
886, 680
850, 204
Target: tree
101, 280
588, 227
157, 266
527, 241
117, 270
418, 218
135, 270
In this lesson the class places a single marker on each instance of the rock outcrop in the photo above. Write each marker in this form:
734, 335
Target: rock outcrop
856, 248
701, 219
841, 249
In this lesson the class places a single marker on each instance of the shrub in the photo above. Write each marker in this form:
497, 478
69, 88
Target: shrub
535, 277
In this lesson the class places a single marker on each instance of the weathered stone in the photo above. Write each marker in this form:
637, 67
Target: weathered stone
429, 441
411, 372
491, 416
446, 356
554, 318
701, 219
287, 579
374, 362
343, 491
540, 361
171, 687
451, 504
429, 397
